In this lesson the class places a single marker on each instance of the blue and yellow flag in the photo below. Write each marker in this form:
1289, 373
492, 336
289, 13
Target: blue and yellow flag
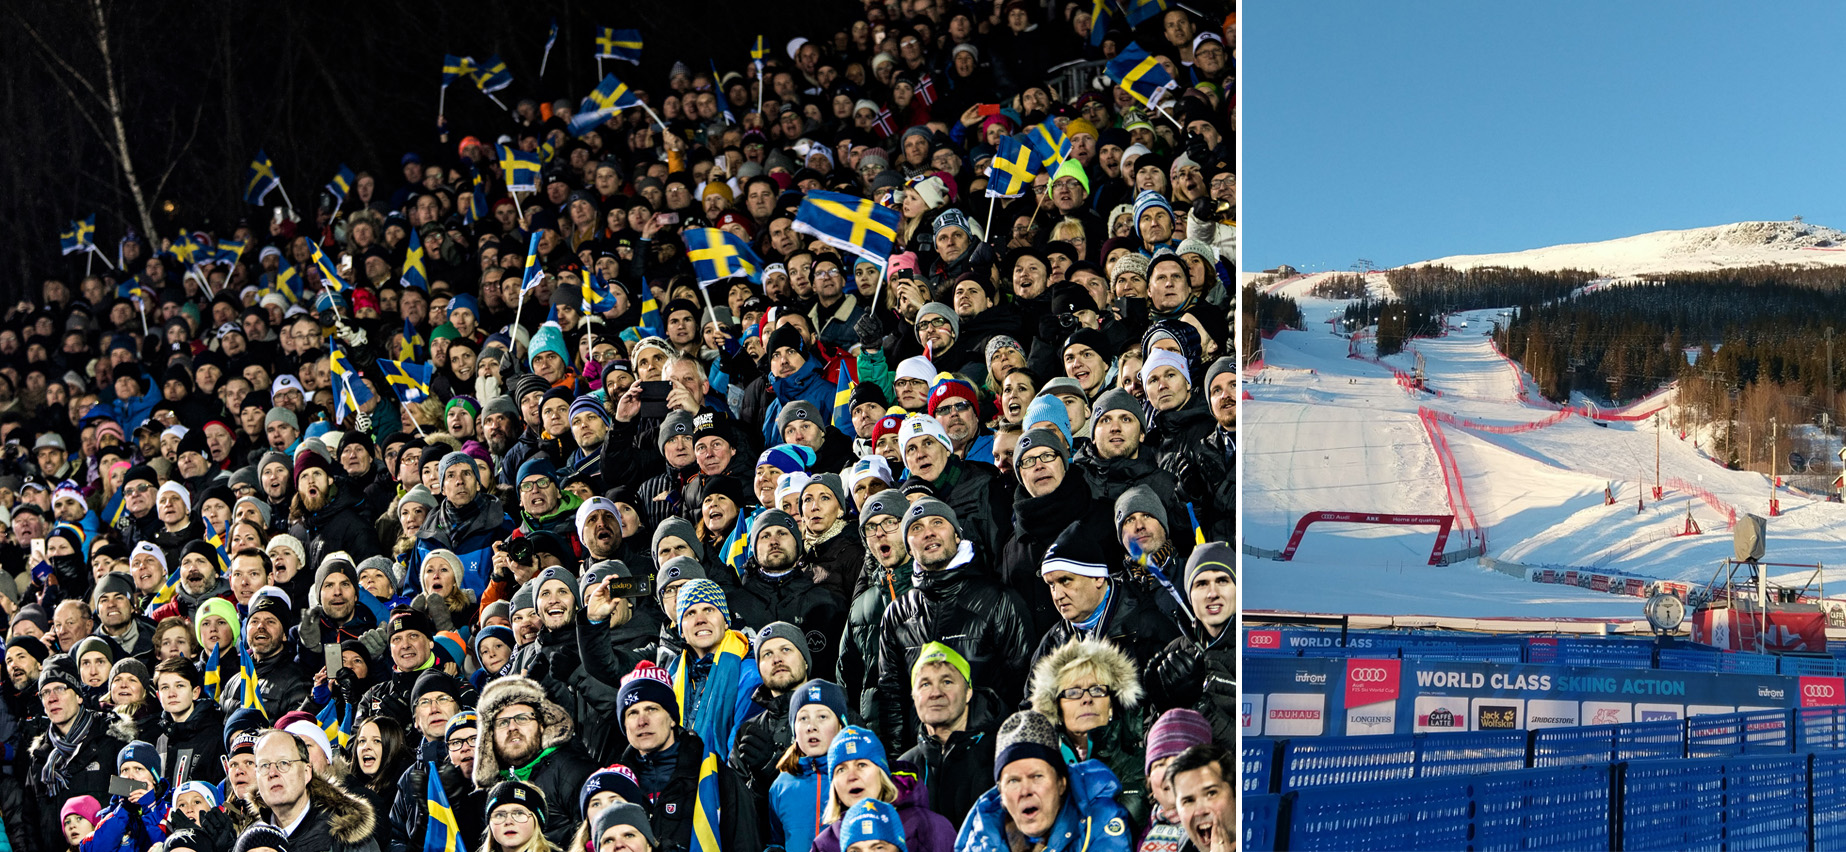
330, 275
473, 203
1142, 11
441, 833
414, 274
609, 98
842, 396
1010, 173
736, 549
1049, 145
215, 538
1141, 75
757, 53
230, 251
534, 272
456, 66
247, 670
80, 238
341, 184
651, 321
598, 295
612, 43
212, 675
521, 168
1198, 532
550, 42
288, 281
353, 392
705, 807
717, 255
412, 348
409, 381
1102, 19
260, 178
854, 225
339, 730
492, 75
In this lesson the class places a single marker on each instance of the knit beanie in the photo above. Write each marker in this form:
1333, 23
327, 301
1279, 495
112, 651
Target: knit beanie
560, 574
519, 793
622, 813
1116, 399
451, 460
873, 819
261, 835
787, 458
223, 609
817, 691
1219, 368
856, 743
940, 310
614, 778
1024, 735
800, 409
699, 592
1175, 731
676, 423
1048, 408
648, 682
1140, 498
785, 630
928, 507
1211, 556
683, 530
140, 752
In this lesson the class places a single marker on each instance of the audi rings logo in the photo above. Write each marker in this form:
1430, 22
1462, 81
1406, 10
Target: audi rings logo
1369, 674
1817, 690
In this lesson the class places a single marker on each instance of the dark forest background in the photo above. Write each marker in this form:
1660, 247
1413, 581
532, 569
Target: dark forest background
205, 84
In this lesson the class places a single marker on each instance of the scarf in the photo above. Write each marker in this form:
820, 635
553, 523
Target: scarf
524, 773
1090, 623
63, 747
711, 719
839, 524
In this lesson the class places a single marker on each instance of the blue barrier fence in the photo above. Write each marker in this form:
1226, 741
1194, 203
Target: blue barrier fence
1749, 802
1613, 652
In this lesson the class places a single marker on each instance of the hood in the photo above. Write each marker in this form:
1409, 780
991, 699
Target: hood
349, 818
1113, 668
809, 376
554, 723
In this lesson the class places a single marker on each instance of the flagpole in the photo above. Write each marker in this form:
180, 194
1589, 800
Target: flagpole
490, 96
98, 252
284, 191
987, 228
441, 101
89, 257
599, 67
650, 112
759, 91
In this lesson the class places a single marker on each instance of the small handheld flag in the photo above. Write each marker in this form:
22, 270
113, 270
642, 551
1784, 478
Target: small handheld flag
338, 730
1198, 532
884, 123
1142, 11
1048, 143
550, 41
598, 295
625, 45
855, 225
412, 347
341, 184
926, 89
521, 168
736, 550
842, 397
651, 322
610, 97
441, 833
717, 255
353, 392
1012, 169
456, 66
413, 274
330, 276
259, 179
1141, 75
492, 75
409, 381
252, 697
534, 272
81, 236
757, 53
1102, 19
212, 674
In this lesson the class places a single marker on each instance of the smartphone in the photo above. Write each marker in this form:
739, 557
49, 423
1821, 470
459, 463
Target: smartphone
330, 653
38, 551
630, 587
654, 398
985, 110
667, 218
119, 786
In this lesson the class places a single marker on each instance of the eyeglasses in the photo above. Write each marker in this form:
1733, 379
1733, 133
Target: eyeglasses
269, 766
139, 488
953, 408
932, 324
432, 701
826, 274
460, 743
884, 527
534, 485
505, 722
504, 816
1076, 692
1036, 459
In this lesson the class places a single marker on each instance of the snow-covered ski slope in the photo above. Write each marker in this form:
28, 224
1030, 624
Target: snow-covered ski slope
1691, 250
1329, 432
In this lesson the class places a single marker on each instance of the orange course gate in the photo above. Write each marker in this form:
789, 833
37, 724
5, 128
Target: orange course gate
1443, 523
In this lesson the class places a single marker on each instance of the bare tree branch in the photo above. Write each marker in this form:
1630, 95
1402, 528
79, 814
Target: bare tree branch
174, 160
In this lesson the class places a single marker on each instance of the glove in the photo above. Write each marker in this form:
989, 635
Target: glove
540, 667
363, 421
754, 750
346, 687
1205, 210
871, 328
376, 641
1181, 672
438, 609
352, 336
309, 633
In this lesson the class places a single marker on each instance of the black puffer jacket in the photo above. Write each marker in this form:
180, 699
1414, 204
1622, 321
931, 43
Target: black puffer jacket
1193, 671
1206, 469
958, 771
794, 597
1133, 623
1110, 477
410, 808
980, 496
769, 727
280, 682
671, 808
202, 732
963, 607
1037, 522
857, 671
339, 525
836, 562
87, 774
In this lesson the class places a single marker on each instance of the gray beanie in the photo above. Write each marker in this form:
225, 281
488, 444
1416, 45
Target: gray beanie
1116, 399
778, 518
1035, 438
1218, 368
1130, 263
419, 495
275, 457
451, 460
497, 609
599, 572
247, 476
1139, 499
524, 599
262, 508
281, 415
832, 481
941, 310
925, 508
501, 404
676, 569
114, 582
676, 423
622, 813
1211, 556
800, 409
887, 502
562, 575
785, 630
684, 530
383, 563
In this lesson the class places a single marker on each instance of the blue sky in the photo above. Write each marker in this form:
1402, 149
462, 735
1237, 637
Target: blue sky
1399, 132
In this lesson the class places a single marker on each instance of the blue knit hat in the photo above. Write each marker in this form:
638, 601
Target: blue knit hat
856, 743
817, 691
548, 338
647, 682
788, 458
1147, 199
539, 465
465, 302
451, 460
591, 403
698, 592
139, 752
872, 819
1049, 407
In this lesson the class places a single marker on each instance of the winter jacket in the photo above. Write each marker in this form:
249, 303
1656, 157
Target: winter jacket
771, 726
959, 770
924, 829
796, 802
796, 598
202, 732
1135, 624
1209, 684
981, 498
962, 607
87, 774
481, 523
1206, 472
339, 525
1110, 477
555, 660
1089, 820
558, 772
672, 806
857, 671
337, 821
410, 809
130, 825
281, 684
809, 382
1037, 522
835, 562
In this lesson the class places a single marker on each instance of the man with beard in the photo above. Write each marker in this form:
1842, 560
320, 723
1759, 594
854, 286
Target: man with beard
325, 514
74, 756
783, 660
886, 577
140, 522
186, 721
276, 480
527, 736
666, 758
774, 588
466, 522
334, 614
955, 746
198, 582
553, 661
25, 655
115, 610
957, 602
500, 425
173, 507
281, 683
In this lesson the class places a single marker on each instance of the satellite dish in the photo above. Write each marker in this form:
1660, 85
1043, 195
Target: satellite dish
1665, 612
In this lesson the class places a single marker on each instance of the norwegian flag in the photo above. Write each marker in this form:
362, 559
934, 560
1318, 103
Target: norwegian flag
926, 89
885, 124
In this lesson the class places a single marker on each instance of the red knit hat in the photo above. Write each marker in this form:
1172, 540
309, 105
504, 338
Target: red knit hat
308, 460
953, 389
887, 425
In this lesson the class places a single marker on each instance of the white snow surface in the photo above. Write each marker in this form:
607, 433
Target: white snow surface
1324, 431
1691, 250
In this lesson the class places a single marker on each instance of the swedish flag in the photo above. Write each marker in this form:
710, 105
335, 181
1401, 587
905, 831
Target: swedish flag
230, 250
185, 250
341, 184
80, 238
758, 53
352, 392
736, 550
492, 75
1141, 11
260, 178
1049, 144
288, 280
1012, 169
212, 675
717, 255
651, 322
329, 274
409, 381
412, 349
1141, 75
842, 397
1102, 19
705, 807
414, 274
247, 670
441, 833
1198, 532
625, 45
339, 731
215, 538
474, 205
456, 66
533, 272
598, 296
854, 225
521, 168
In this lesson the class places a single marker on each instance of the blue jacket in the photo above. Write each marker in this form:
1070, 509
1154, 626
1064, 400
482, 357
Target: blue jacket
809, 383
1089, 821
473, 543
133, 411
797, 802
130, 829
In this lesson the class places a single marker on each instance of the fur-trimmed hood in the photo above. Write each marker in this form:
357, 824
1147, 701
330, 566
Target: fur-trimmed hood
349, 818
554, 724
1113, 667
